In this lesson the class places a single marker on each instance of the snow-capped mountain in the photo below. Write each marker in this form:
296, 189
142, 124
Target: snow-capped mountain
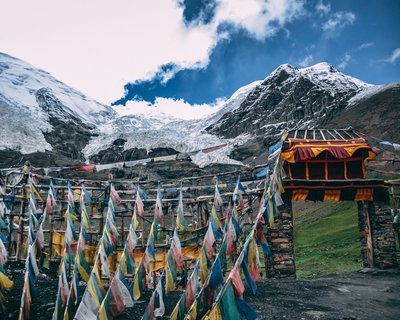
289, 98
32, 103
41, 114
44, 114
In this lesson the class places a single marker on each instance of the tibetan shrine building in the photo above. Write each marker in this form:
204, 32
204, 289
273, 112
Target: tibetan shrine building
322, 165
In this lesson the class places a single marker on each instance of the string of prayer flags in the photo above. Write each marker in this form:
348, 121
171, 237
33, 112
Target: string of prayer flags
51, 200
180, 309
85, 197
105, 264
90, 304
82, 264
227, 304
215, 217
117, 298
216, 278
158, 212
192, 287
34, 188
209, 240
72, 301
33, 204
70, 195
159, 297
248, 265
139, 203
85, 217
138, 282
62, 293
114, 195
28, 291
135, 218
238, 195
170, 274
218, 202
245, 310
180, 218
5, 283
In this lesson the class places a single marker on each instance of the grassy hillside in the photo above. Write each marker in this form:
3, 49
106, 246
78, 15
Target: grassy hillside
326, 238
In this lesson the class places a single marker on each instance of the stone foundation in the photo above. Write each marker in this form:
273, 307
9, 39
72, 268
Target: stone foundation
378, 248
280, 238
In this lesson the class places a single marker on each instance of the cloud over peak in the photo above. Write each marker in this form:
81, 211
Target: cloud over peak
339, 20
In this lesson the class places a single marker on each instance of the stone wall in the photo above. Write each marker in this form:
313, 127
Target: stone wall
281, 264
381, 251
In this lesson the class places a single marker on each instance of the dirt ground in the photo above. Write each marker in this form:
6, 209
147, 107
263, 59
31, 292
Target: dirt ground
369, 294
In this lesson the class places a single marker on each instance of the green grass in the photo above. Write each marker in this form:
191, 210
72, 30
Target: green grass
327, 243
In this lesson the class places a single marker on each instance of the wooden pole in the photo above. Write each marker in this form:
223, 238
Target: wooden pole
21, 222
173, 218
10, 233
142, 232
192, 211
51, 219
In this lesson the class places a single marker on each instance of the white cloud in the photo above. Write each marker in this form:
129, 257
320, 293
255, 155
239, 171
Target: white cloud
338, 20
260, 18
322, 8
168, 107
345, 60
395, 56
97, 46
365, 45
306, 61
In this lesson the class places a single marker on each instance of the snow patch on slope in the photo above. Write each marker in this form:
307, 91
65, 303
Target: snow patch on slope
370, 91
157, 130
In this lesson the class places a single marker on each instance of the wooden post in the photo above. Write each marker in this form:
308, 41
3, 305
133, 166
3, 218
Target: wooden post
21, 222
142, 232
51, 219
192, 211
368, 234
173, 218
91, 207
10, 233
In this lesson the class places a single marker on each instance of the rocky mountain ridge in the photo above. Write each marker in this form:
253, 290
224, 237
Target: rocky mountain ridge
53, 124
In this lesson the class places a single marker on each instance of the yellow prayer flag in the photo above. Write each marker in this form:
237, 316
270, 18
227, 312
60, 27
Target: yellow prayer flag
175, 313
193, 311
5, 283
215, 313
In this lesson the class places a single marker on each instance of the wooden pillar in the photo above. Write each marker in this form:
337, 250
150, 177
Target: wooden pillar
364, 224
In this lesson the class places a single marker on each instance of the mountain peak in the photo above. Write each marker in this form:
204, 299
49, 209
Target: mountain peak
320, 67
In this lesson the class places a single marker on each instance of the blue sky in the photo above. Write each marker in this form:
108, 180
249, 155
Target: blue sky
180, 53
358, 37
